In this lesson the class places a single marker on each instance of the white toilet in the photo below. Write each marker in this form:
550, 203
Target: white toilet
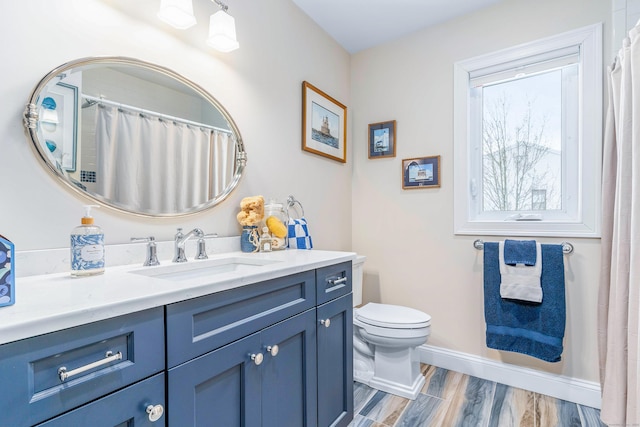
385, 341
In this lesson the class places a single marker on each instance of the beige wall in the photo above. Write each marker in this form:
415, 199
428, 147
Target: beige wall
259, 84
414, 258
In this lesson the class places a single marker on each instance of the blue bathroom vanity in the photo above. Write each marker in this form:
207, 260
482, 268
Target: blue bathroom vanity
237, 340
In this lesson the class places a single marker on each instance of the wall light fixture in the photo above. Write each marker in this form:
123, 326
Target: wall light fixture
222, 26
177, 13
222, 30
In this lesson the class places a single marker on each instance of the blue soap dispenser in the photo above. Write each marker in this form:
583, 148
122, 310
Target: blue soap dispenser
87, 247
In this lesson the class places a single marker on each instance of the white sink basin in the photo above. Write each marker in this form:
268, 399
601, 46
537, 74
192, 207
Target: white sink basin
195, 269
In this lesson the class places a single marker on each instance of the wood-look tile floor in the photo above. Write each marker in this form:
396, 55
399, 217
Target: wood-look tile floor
451, 399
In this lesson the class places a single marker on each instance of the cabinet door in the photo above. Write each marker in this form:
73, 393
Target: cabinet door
335, 362
220, 388
289, 393
124, 408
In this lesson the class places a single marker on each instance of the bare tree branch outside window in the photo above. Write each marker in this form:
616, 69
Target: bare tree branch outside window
518, 163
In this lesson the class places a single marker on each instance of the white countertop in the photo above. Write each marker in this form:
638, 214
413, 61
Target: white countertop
51, 302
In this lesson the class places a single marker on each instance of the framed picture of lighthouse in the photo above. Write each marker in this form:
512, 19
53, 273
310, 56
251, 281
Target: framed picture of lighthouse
324, 124
382, 139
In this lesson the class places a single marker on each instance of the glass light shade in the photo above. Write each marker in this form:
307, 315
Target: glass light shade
222, 32
177, 13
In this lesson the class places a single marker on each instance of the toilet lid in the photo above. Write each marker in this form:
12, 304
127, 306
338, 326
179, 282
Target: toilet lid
392, 316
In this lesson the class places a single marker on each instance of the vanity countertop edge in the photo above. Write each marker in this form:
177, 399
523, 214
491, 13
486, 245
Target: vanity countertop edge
52, 302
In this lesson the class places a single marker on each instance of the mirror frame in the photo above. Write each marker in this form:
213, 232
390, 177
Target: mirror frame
30, 121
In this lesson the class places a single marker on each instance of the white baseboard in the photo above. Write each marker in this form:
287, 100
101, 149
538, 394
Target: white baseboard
570, 389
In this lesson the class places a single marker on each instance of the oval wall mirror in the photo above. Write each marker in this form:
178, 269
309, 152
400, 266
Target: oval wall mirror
135, 136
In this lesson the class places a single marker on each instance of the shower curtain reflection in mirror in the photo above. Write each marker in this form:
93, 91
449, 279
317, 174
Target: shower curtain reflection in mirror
151, 165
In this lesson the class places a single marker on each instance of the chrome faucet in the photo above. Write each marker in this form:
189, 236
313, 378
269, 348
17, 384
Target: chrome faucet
180, 240
152, 253
201, 252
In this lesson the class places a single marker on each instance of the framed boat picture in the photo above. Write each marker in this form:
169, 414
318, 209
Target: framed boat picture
421, 172
324, 124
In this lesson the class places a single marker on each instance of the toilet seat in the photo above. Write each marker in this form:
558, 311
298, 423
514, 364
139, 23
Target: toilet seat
392, 316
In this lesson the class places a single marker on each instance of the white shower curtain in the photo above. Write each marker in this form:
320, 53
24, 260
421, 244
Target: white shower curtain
223, 156
150, 165
619, 294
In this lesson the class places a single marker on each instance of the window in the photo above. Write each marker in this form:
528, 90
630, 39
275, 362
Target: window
539, 200
527, 138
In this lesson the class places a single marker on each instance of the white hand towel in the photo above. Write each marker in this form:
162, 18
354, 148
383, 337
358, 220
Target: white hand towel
519, 281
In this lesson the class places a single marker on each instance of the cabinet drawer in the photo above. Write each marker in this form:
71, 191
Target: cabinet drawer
197, 326
32, 366
125, 408
333, 281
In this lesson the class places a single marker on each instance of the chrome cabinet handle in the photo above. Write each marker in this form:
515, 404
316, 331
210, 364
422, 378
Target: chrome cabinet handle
339, 281
273, 350
108, 358
257, 358
155, 412
325, 322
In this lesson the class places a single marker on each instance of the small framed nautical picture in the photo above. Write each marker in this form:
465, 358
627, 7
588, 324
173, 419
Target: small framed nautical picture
324, 124
421, 172
382, 140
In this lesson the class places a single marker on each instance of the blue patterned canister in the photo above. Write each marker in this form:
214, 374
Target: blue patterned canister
249, 238
7, 273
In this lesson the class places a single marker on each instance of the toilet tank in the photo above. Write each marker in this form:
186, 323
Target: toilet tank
357, 268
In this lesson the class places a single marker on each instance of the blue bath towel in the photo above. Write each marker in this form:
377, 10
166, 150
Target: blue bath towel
520, 252
533, 329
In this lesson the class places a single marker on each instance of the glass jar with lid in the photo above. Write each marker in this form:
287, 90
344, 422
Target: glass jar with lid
275, 219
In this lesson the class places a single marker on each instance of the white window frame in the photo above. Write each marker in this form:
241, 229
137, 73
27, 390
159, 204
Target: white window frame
585, 220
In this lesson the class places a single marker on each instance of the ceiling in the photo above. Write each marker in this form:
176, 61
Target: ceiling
361, 24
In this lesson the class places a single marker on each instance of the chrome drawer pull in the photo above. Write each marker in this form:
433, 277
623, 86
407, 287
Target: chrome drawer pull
325, 322
108, 358
339, 281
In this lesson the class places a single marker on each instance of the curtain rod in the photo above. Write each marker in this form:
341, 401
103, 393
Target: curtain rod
567, 247
153, 113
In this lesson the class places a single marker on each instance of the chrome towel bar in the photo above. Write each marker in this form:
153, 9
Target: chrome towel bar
567, 247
